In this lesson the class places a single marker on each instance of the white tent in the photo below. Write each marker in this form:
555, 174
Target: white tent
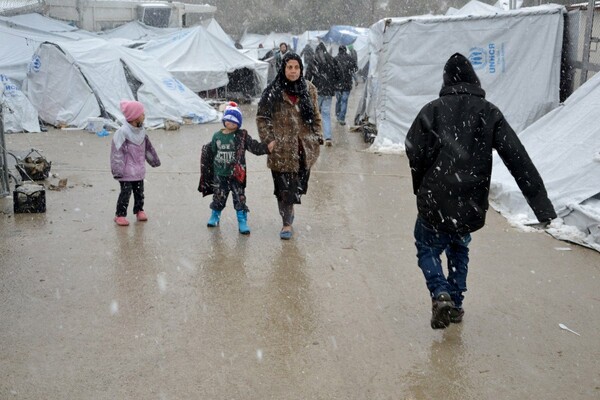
213, 27
201, 61
308, 37
516, 55
17, 47
135, 31
505, 4
475, 7
252, 40
565, 147
18, 113
274, 39
71, 82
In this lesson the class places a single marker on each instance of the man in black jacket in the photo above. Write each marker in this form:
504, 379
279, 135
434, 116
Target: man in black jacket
449, 147
324, 73
347, 67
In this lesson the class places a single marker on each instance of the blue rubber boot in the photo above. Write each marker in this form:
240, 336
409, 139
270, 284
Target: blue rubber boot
242, 217
214, 219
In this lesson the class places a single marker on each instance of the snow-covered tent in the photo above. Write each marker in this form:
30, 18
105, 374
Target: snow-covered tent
17, 111
565, 147
274, 39
252, 40
17, 45
202, 61
71, 82
475, 7
505, 4
516, 55
213, 27
308, 37
19, 37
349, 35
135, 31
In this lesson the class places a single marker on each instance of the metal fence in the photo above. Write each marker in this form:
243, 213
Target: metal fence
582, 48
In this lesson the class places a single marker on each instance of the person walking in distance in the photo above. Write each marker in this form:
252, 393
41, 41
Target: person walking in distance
449, 148
324, 74
347, 67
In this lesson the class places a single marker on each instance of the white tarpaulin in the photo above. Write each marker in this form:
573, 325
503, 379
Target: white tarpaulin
213, 27
135, 31
516, 55
18, 113
202, 61
565, 147
70, 82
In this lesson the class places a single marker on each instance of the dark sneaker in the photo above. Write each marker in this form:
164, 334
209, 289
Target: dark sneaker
456, 315
440, 311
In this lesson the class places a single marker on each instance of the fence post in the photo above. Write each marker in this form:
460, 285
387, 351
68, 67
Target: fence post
4, 188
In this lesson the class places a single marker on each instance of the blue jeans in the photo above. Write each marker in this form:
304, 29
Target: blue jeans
325, 108
341, 105
431, 243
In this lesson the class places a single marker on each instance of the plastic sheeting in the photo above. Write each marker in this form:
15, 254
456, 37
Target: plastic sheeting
350, 35
202, 61
70, 82
565, 147
516, 55
19, 115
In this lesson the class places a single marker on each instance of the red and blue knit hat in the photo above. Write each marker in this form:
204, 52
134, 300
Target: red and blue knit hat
233, 114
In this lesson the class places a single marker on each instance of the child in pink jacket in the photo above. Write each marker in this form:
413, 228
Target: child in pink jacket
130, 149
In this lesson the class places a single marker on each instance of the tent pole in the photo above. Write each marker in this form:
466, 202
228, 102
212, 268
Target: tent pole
4, 188
587, 41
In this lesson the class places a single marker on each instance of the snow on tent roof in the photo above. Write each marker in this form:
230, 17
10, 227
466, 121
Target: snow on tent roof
36, 21
274, 39
252, 40
475, 7
136, 30
200, 60
213, 27
519, 71
70, 82
564, 148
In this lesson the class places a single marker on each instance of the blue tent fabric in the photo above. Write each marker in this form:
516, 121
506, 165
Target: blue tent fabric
341, 34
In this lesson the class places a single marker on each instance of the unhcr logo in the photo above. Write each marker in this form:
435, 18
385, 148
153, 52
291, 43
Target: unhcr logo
36, 63
173, 84
478, 58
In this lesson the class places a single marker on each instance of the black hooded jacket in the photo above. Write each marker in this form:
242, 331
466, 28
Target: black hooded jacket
347, 67
323, 72
449, 147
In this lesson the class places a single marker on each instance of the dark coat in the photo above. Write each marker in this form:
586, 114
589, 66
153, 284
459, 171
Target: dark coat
323, 72
347, 67
287, 127
449, 147
242, 141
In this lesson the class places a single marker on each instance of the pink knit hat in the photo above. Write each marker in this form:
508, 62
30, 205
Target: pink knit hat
131, 109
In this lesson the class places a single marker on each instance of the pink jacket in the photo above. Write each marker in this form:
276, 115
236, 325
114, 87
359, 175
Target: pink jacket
129, 162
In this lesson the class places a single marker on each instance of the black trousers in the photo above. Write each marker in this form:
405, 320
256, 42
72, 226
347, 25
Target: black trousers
137, 187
